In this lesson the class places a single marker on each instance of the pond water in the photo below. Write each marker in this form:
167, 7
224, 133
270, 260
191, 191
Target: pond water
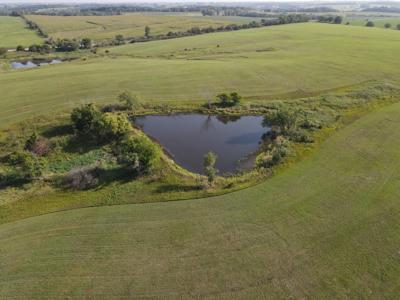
188, 137
33, 63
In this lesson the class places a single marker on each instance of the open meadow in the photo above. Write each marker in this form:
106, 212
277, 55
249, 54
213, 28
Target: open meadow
14, 32
129, 25
95, 203
279, 62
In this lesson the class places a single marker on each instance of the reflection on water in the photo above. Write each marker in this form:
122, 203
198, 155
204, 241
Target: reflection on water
187, 137
33, 63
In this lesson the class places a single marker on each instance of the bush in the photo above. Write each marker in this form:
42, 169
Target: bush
226, 100
20, 48
29, 165
209, 166
37, 145
3, 51
398, 26
128, 99
370, 24
113, 127
388, 25
138, 153
85, 119
82, 178
300, 136
283, 119
89, 121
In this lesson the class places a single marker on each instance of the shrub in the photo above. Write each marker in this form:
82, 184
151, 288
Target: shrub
226, 100
3, 51
139, 153
209, 166
370, 24
85, 119
29, 165
20, 48
300, 136
388, 25
398, 26
128, 99
113, 127
283, 119
37, 145
82, 178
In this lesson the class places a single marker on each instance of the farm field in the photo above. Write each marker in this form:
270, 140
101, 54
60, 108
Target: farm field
325, 228
14, 32
278, 62
129, 25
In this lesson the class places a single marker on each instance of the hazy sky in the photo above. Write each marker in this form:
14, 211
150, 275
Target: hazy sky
169, 1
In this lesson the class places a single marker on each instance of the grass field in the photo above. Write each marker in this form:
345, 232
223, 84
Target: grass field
325, 228
277, 62
13, 32
129, 25
378, 21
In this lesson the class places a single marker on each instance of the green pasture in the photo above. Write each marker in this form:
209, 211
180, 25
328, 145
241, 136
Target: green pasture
278, 62
327, 228
129, 25
14, 32
378, 21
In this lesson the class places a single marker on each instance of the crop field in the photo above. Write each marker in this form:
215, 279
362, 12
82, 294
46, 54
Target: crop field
279, 62
13, 32
129, 25
325, 228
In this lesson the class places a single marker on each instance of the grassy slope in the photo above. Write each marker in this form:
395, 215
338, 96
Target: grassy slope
106, 27
13, 32
326, 228
305, 59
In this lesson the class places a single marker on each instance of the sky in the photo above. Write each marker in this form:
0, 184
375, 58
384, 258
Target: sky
170, 1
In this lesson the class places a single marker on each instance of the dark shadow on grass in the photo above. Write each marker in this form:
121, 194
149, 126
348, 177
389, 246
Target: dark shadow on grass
165, 188
59, 130
12, 180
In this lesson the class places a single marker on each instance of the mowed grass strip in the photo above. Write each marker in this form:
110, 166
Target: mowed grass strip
14, 32
277, 62
129, 25
326, 228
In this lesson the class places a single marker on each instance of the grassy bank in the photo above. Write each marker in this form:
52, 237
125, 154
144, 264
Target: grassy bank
325, 228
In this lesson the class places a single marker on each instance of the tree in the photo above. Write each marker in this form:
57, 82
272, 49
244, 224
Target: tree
3, 51
66, 45
20, 48
284, 119
398, 26
388, 25
223, 99
338, 20
370, 24
86, 119
209, 166
235, 98
86, 43
113, 127
147, 31
128, 99
119, 39
139, 153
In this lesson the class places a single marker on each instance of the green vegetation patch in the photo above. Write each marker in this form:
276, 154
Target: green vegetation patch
325, 228
14, 32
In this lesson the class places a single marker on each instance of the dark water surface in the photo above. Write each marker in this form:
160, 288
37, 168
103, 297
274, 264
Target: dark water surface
187, 137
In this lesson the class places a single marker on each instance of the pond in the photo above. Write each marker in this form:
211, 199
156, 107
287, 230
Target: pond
33, 63
188, 137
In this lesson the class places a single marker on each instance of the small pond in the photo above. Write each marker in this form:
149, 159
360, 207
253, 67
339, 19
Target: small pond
187, 137
33, 63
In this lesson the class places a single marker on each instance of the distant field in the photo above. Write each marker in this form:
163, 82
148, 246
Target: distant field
13, 32
327, 228
378, 21
129, 25
277, 62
